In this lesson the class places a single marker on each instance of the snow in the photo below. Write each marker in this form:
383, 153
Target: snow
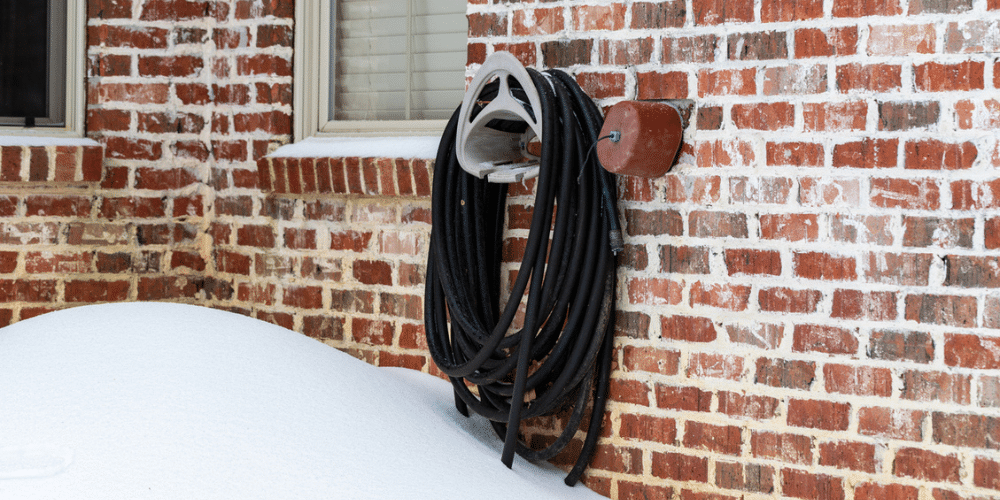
168, 401
43, 140
421, 147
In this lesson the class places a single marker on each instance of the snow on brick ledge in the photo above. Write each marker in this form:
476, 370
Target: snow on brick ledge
395, 166
35, 160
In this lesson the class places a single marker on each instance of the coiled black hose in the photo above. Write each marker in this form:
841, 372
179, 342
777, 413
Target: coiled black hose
563, 352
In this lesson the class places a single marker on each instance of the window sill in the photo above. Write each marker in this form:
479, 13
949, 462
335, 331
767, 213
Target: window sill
47, 160
369, 166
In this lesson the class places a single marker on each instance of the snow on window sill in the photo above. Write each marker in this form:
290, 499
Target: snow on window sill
374, 166
46, 160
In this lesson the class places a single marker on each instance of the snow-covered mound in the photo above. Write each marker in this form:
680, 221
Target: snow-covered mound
167, 401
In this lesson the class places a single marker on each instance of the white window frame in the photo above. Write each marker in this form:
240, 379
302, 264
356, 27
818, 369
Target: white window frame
311, 75
75, 99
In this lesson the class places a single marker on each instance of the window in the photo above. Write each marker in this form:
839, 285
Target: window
41, 79
378, 66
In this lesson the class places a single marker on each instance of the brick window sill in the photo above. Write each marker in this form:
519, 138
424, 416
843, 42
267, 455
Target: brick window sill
49, 161
366, 166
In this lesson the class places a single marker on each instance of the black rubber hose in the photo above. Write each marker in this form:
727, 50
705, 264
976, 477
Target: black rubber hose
561, 356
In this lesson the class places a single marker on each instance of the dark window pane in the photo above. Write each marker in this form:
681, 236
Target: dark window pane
25, 39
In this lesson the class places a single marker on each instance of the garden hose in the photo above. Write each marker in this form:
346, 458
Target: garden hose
561, 357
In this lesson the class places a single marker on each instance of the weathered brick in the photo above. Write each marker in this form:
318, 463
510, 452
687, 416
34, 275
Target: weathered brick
764, 116
942, 309
790, 448
900, 40
752, 262
679, 467
926, 465
713, 12
799, 154
900, 345
967, 430
848, 455
744, 477
750, 407
891, 423
938, 77
789, 227
817, 42
872, 491
658, 15
972, 351
758, 46
854, 304
683, 398
792, 374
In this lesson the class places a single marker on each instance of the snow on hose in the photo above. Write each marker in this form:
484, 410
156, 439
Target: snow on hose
561, 357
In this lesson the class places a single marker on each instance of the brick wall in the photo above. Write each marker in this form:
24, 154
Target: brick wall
808, 300
809, 304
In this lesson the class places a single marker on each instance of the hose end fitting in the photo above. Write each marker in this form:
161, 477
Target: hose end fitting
617, 243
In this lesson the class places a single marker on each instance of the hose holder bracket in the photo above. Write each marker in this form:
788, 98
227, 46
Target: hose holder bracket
484, 151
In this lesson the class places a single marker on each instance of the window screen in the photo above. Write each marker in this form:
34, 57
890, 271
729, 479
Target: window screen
32, 62
397, 59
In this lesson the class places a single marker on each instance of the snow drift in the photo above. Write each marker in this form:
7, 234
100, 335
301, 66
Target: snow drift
168, 401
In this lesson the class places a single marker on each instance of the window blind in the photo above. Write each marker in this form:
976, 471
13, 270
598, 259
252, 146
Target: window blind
397, 59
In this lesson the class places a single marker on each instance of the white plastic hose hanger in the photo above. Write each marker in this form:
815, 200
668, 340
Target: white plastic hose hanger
500, 116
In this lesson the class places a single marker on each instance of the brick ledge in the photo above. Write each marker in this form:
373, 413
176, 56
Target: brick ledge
43, 160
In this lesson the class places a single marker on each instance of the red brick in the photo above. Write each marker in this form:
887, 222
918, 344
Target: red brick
937, 77
727, 82
190, 260
255, 9
873, 77
744, 477
28, 290
604, 85
655, 85
724, 153
872, 491
835, 116
891, 423
695, 49
753, 262
848, 455
679, 188
705, 224
938, 232
867, 153
97, 291
38, 164
687, 328
931, 154
764, 116
790, 448
303, 297
48, 262
809, 485
715, 366
724, 439
799, 154
894, 346
816, 414
714, 12
972, 195
658, 15
757, 190
788, 300
650, 359
926, 465
57, 206
679, 467
941, 310
863, 8
907, 269
936, 386
854, 304
986, 473
776, 11
136, 37
403, 306
914, 194
758, 46
971, 431
724, 296
485, 24
858, 380
750, 407
793, 374
109, 9
762, 335
628, 490
112, 208
891, 40
823, 266
684, 260
629, 391
648, 428
826, 339
371, 332
829, 192
816, 42
599, 17
683, 398
371, 272
789, 227
972, 351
